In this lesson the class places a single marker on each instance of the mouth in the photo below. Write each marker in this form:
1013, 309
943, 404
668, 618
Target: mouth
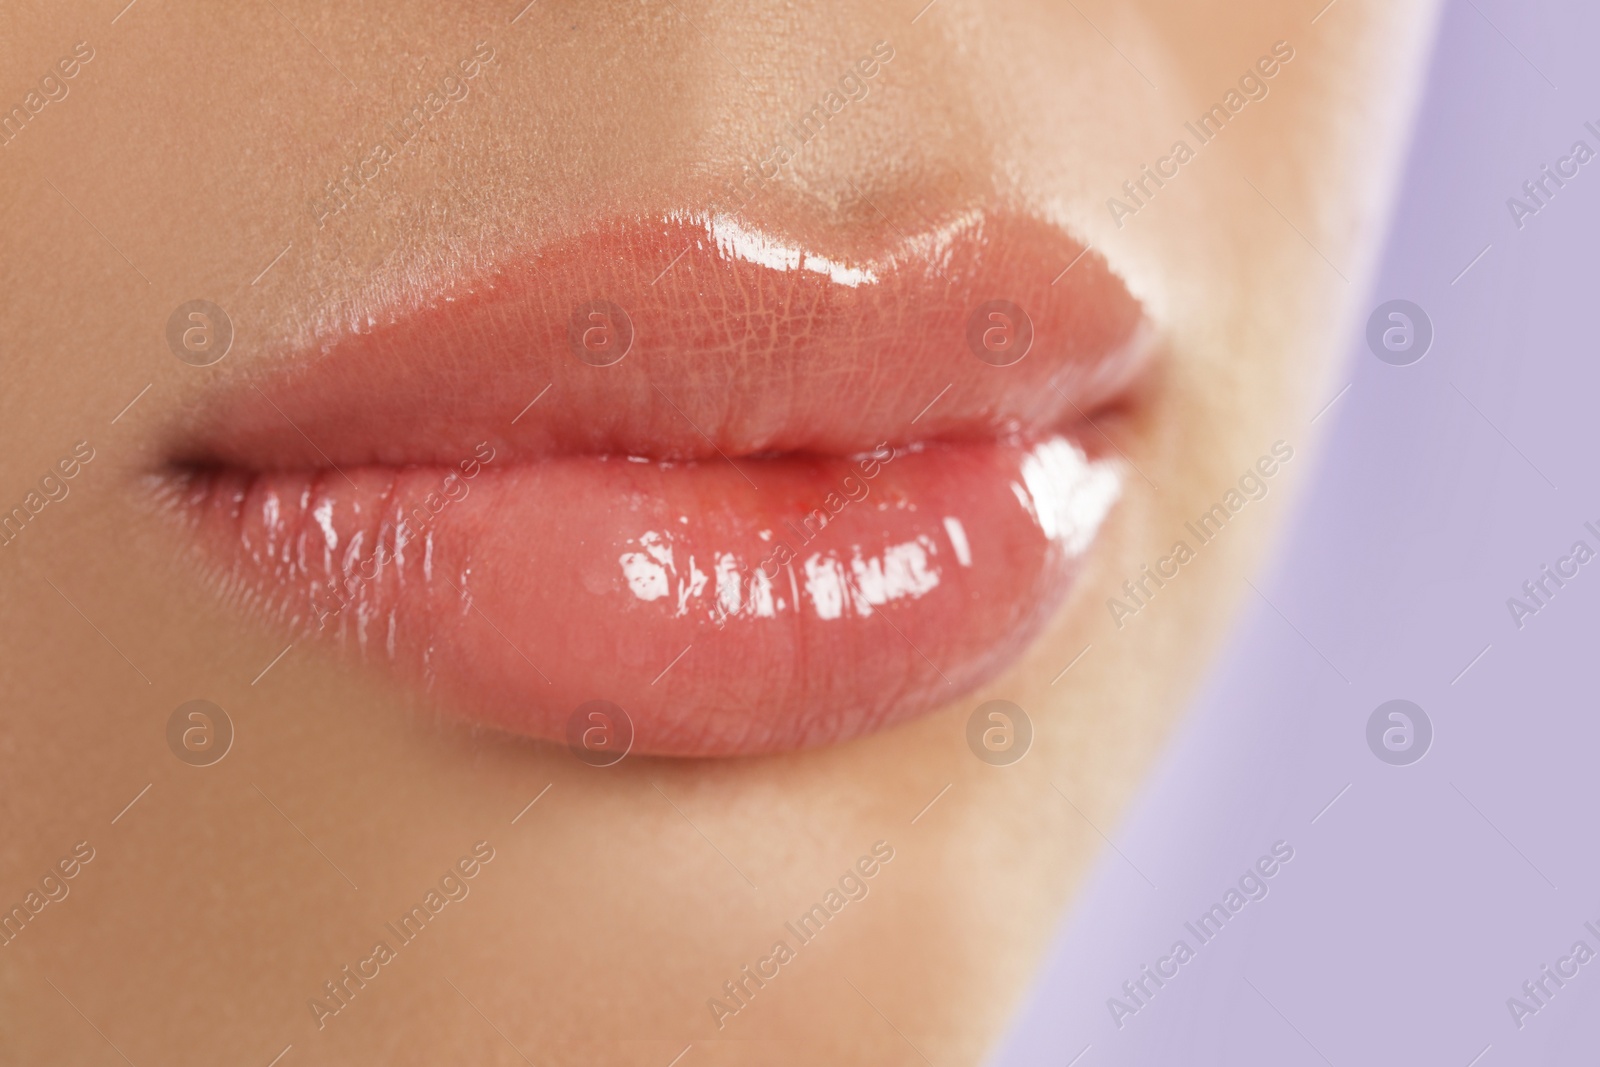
746, 497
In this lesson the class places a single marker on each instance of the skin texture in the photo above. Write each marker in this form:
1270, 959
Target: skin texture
182, 162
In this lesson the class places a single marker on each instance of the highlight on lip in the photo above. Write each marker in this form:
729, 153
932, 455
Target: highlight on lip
798, 510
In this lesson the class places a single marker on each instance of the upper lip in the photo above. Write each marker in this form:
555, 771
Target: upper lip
828, 353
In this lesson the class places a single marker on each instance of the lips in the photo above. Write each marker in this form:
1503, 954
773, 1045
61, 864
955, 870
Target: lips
755, 497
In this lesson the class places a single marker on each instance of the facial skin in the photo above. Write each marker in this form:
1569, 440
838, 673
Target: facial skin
183, 158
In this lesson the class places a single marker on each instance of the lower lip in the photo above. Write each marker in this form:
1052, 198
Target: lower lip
726, 608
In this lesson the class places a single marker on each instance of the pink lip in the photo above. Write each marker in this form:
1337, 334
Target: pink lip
799, 508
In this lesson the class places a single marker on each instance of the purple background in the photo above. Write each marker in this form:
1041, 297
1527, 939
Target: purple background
1427, 894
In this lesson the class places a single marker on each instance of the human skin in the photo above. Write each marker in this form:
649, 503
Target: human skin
179, 166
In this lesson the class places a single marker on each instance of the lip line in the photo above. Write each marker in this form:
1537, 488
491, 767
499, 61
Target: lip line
1073, 427
1069, 425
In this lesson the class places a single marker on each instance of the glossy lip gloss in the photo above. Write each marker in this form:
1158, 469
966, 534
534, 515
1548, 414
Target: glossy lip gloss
759, 499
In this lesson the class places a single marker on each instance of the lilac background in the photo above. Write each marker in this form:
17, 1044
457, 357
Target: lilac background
1425, 896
